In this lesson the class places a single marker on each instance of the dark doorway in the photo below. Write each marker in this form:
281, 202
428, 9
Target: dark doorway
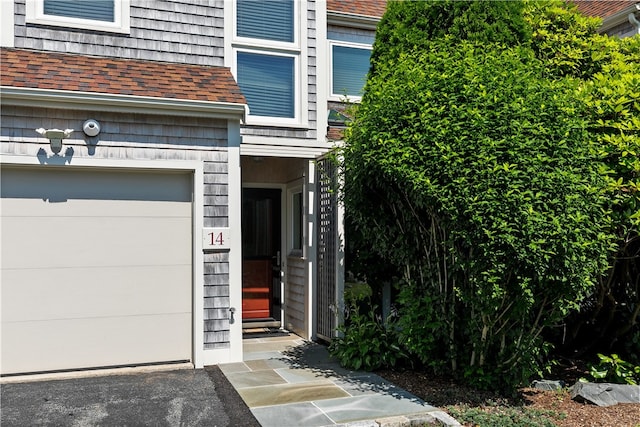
261, 258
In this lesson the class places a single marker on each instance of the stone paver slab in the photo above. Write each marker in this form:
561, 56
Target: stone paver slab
259, 365
262, 355
371, 384
296, 414
228, 368
290, 393
301, 375
267, 346
370, 407
241, 380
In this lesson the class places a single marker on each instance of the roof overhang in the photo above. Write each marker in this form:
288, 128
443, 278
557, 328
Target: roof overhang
619, 17
49, 98
352, 20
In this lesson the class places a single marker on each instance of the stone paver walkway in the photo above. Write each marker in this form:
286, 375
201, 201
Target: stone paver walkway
288, 381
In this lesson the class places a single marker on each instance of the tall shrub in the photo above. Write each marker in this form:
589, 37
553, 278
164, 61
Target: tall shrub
609, 73
473, 174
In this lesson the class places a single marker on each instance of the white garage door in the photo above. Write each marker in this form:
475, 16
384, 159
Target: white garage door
96, 268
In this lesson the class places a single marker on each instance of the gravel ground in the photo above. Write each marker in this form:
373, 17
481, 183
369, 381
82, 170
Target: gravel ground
447, 393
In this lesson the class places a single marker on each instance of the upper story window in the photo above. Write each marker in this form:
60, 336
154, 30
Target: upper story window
268, 83
349, 68
269, 20
99, 15
267, 60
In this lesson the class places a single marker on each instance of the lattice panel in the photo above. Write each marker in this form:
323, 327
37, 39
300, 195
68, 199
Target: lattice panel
327, 247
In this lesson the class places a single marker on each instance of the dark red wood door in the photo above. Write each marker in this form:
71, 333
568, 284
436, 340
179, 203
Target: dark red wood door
260, 251
257, 289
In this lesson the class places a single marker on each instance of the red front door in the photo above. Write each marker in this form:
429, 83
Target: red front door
260, 252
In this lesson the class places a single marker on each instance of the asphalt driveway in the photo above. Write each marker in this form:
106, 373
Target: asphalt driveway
185, 397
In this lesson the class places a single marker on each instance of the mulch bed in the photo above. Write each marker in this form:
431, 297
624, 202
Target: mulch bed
443, 393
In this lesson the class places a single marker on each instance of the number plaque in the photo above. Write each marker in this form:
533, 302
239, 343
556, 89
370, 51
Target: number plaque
215, 238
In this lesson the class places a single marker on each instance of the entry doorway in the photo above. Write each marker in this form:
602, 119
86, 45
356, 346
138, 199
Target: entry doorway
261, 256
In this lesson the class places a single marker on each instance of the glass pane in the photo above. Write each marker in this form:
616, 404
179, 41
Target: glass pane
350, 68
266, 19
260, 223
297, 220
95, 10
267, 82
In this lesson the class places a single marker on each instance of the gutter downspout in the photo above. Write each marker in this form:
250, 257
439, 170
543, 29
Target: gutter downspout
634, 21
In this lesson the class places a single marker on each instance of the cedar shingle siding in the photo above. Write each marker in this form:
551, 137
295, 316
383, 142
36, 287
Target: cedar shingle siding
176, 31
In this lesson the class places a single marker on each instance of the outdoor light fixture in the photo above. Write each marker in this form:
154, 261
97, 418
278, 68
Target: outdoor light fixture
91, 127
55, 137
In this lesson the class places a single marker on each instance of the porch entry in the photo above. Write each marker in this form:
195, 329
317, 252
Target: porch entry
261, 256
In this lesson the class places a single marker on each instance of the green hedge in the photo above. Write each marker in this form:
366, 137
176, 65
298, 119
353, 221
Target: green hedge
483, 176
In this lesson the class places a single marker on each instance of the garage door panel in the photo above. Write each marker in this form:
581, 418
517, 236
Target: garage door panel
53, 345
95, 241
58, 185
96, 267
27, 207
94, 292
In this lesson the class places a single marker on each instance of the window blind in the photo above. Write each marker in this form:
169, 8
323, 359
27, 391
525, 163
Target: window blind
268, 83
95, 10
266, 19
350, 68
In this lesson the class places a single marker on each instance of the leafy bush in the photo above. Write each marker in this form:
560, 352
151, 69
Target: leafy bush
472, 172
608, 70
613, 369
366, 342
412, 25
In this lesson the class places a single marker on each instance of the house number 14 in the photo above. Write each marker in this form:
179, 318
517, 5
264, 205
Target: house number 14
215, 238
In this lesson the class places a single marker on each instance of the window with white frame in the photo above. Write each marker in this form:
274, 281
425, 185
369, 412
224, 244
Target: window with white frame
267, 20
267, 53
349, 68
100, 15
268, 83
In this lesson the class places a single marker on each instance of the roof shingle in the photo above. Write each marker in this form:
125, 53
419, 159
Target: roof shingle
603, 9
60, 71
375, 8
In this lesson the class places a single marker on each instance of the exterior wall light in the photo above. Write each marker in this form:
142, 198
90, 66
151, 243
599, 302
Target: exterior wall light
55, 137
91, 127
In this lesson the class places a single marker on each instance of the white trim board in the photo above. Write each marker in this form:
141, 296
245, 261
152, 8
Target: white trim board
51, 98
283, 151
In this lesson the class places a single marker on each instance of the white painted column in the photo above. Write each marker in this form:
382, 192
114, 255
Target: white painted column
311, 252
340, 255
235, 231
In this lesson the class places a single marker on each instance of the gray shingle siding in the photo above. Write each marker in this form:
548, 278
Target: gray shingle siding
216, 194
187, 31
182, 31
311, 68
216, 300
148, 137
